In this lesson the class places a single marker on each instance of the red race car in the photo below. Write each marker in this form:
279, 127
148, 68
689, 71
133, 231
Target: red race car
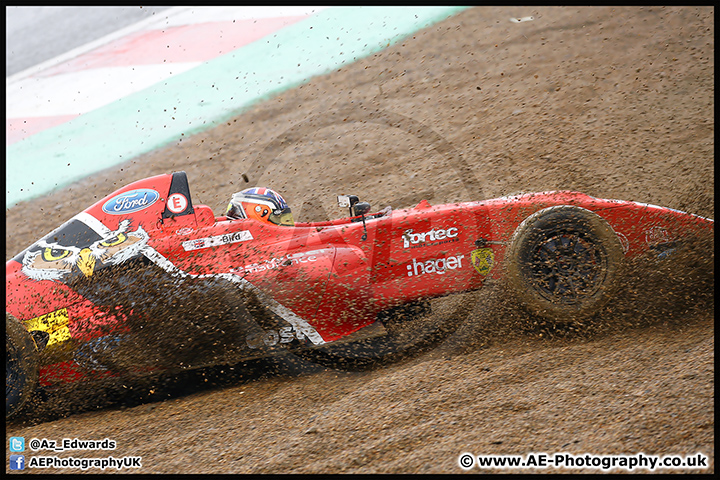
144, 280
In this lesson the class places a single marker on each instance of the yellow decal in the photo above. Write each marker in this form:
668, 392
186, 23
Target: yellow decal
54, 323
86, 263
483, 260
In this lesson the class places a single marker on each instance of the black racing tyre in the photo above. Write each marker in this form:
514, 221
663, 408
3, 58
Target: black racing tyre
21, 365
562, 263
410, 331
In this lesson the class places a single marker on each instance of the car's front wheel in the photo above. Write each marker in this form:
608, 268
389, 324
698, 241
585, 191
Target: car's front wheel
21, 365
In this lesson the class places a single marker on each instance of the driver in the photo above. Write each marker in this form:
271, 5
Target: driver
260, 203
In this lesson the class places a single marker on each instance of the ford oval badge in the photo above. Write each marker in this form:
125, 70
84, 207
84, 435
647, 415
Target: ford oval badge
131, 202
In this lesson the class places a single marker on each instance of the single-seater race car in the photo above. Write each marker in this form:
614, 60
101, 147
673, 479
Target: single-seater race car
146, 281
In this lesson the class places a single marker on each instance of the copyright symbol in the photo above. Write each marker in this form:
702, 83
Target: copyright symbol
34, 444
466, 461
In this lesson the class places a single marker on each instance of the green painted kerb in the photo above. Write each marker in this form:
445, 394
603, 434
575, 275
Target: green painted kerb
203, 97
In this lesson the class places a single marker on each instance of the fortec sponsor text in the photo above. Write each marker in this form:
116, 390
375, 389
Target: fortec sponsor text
438, 235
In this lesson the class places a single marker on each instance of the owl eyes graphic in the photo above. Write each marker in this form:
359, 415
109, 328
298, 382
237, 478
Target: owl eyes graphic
54, 261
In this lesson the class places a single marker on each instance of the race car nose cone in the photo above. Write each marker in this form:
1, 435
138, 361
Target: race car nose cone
86, 263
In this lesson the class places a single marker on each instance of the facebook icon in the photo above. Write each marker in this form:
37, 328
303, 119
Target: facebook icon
17, 462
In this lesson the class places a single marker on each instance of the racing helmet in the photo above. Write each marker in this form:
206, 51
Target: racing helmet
260, 203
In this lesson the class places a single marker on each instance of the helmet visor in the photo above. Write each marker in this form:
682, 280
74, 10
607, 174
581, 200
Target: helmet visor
284, 218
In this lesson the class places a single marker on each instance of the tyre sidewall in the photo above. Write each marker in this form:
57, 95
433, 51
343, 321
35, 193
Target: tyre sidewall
544, 224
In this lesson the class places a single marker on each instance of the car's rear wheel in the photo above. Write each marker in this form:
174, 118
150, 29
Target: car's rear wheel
21, 365
562, 263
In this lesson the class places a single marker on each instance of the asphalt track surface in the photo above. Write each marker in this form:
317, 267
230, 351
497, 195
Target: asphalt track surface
36, 34
129, 117
601, 100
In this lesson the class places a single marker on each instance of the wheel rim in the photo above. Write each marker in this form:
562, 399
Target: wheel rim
566, 268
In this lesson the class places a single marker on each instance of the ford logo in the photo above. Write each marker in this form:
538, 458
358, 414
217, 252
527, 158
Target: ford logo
130, 202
